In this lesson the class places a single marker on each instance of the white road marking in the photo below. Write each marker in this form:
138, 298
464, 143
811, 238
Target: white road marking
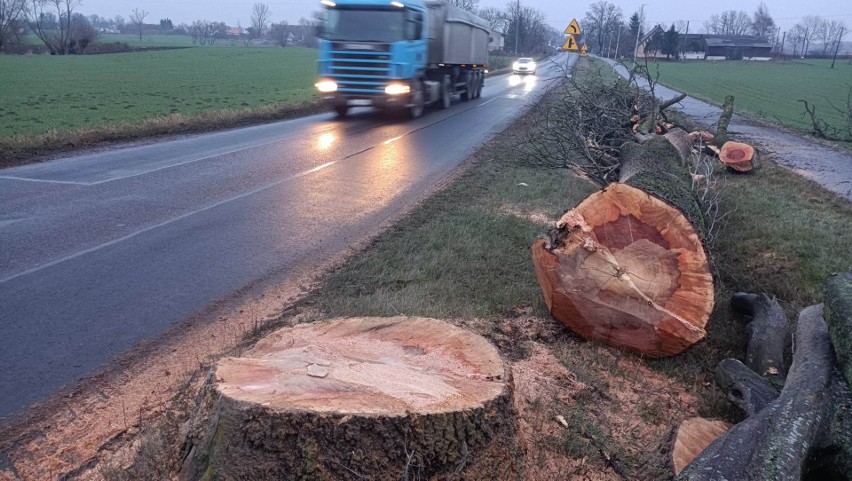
161, 224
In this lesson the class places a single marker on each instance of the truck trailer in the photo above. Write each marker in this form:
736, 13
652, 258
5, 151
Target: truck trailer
400, 54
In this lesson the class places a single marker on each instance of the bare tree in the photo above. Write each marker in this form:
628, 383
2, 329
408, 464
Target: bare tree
469, 5
278, 32
260, 19
10, 12
729, 22
54, 29
806, 30
762, 23
82, 33
828, 32
601, 20
496, 17
137, 17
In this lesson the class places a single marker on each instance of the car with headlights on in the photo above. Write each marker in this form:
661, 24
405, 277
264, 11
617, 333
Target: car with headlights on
524, 65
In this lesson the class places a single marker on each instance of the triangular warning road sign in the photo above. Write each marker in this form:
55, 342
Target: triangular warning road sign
573, 28
570, 44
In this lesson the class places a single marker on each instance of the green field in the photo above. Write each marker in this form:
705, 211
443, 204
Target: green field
768, 90
43, 93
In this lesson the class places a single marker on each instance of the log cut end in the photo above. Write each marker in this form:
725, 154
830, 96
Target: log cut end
693, 435
368, 366
738, 156
632, 273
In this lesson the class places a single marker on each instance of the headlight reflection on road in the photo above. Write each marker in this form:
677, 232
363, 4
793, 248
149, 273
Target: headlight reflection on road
325, 141
528, 81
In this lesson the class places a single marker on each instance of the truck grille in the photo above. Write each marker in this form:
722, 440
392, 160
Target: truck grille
360, 68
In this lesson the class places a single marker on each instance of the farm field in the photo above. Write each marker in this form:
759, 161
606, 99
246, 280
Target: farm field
767, 90
44, 93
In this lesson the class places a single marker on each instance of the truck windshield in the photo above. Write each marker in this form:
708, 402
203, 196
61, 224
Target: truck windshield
365, 25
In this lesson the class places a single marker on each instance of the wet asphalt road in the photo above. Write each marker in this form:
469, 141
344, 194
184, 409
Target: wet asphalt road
832, 168
102, 251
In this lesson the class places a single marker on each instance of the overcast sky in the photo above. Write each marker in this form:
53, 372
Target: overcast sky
559, 12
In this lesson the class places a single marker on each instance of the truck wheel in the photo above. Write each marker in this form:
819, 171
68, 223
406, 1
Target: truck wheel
480, 80
446, 96
341, 110
417, 101
468, 89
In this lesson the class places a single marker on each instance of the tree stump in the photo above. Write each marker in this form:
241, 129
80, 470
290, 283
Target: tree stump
358, 398
627, 265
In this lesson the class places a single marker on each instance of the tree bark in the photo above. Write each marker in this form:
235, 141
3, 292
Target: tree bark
745, 388
627, 266
767, 335
837, 295
358, 398
776, 442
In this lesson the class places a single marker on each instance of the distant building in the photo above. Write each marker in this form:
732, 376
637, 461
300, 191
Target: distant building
496, 41
740, 47
702, 46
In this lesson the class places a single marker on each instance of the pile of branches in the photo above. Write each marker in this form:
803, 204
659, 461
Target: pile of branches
583, 124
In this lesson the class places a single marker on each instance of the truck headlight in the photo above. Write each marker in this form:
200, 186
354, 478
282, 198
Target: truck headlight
397, 89
326, 86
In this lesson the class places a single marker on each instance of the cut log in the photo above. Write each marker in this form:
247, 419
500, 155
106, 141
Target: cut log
767, 335
626, 267
358, 398
737, 156
837, 295
745, 388
692, 436
777, 442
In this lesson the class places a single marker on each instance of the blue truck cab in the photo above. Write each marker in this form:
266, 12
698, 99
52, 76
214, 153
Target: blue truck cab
399, 54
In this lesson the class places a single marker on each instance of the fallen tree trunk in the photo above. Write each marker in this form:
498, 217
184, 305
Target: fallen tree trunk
774, 443
627, 266
806, 433
358, 398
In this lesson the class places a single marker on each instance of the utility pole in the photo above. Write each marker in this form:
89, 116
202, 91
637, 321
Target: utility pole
639, 29
783, 39
517, 24
837, 47
617, 39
